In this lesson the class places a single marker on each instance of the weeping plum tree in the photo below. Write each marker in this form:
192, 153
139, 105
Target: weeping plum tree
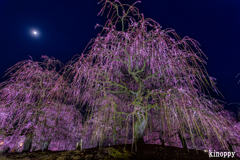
106, 131
33, 104
157, 136
141, 67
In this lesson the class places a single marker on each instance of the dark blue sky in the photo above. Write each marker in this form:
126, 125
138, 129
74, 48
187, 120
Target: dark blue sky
66, 27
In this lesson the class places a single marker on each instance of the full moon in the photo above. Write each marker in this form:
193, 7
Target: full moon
35, 32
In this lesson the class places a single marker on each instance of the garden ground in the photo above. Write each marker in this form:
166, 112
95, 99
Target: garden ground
145, 151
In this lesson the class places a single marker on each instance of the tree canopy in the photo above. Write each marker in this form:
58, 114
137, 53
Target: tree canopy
129, 72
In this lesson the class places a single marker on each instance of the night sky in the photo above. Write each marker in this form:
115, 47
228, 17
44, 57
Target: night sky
64, 28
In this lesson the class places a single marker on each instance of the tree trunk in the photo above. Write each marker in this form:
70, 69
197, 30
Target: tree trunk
4, 151
139, 140
45, 145
183, 140
139, 127
28, 142
114, 132
33, 148
161, 138
114, 139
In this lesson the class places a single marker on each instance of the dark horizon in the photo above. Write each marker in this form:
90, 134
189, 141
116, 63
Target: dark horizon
64, 28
